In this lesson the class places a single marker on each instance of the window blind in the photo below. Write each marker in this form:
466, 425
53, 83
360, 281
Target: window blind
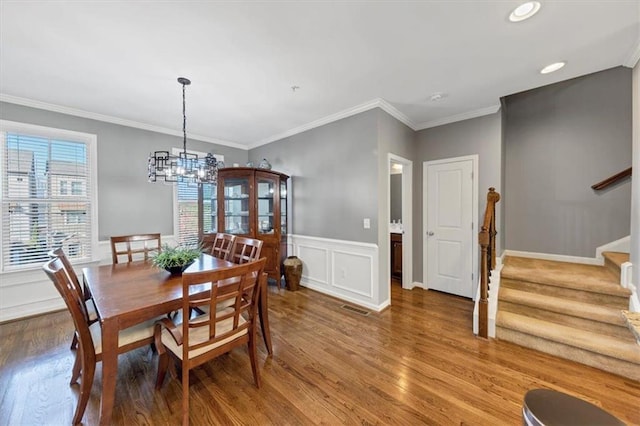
46, 199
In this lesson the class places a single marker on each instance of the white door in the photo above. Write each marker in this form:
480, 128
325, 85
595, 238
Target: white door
449, 227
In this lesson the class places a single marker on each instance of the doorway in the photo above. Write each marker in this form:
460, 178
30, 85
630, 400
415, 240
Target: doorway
400, 220
450, 243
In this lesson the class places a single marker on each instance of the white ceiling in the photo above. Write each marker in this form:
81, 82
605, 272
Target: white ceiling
121, 59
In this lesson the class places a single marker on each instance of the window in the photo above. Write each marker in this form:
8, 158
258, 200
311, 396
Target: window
40, 212
186, 208
76, 188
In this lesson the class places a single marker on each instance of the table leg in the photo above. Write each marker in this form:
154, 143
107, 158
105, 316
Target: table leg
109, 369
263, 312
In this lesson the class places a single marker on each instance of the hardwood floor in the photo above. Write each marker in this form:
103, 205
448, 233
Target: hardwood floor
415, 363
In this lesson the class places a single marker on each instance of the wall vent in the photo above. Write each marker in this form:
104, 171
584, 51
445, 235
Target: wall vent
359, 311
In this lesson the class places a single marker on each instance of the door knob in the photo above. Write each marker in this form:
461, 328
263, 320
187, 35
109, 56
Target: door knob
430, 233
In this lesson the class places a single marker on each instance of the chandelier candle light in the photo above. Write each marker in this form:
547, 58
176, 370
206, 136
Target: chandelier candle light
184, 167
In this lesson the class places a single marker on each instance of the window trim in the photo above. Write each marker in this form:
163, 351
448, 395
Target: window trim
176, 224
91, 141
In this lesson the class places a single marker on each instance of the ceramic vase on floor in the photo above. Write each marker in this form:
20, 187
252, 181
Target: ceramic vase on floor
292, 272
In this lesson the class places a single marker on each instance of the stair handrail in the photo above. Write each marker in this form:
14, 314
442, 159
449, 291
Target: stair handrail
487, 240
611, 180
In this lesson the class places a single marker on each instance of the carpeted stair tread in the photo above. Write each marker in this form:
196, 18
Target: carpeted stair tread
563, 306
590, 278
616, 257
589, 341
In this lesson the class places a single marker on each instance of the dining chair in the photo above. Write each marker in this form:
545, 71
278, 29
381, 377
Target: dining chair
222, 246
92, 313
89, 335
131, 245
204, 337
245, 250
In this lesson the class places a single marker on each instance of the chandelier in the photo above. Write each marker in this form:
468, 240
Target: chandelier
184, 167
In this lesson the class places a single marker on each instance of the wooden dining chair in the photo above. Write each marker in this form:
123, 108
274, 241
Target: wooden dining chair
89, 335
245, 250
92, 313
222, 246
204, 337
131, 245
248, 250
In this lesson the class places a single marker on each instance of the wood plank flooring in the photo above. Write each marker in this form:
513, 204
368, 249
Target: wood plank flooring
415, 363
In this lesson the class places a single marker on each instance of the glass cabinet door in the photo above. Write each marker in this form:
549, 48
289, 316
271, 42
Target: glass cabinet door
266, 191
236, 205
209, 209
283, 208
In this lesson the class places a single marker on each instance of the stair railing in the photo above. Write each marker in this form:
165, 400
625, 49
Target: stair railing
487, 240
611, 180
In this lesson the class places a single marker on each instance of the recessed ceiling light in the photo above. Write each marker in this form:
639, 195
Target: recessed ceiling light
552, 67
524, 11
438, 96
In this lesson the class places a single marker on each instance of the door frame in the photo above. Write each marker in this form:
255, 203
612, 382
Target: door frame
474, 217
407, 220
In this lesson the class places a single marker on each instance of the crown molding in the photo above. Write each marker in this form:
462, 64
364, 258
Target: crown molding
376, 103
634, 56
459, 117
113, 120
395, 113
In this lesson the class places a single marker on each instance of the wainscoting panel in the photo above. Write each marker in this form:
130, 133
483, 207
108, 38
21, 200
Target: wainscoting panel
347, 270
345, 264
316, 266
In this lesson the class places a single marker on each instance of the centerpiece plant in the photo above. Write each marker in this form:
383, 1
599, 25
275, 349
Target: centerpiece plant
175, 259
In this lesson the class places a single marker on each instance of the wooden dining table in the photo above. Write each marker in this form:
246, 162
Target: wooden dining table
126, 294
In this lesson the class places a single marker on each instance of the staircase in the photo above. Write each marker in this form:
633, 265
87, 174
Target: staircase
570, 310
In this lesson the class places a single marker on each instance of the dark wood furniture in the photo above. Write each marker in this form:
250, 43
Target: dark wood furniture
204, 337
130, 245
246, 250
396, 256
251, 203
121, 305
92, 314
90, 351
222, 245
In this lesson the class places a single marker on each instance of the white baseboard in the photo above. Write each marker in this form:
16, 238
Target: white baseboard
556, 257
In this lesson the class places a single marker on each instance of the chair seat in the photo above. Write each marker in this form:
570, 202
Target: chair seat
129, 335
201, 334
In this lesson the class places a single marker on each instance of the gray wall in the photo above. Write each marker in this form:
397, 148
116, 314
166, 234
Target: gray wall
334, 170
127, 203
481, 136
396, 197
560, 140
396, 138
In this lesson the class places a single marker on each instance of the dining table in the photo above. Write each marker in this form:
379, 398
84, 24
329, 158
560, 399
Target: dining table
126, 294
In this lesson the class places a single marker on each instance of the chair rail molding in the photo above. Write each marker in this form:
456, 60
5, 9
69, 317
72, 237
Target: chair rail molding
347, 270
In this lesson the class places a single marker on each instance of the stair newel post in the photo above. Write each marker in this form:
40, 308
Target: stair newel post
483, 305
487, 241
492, 199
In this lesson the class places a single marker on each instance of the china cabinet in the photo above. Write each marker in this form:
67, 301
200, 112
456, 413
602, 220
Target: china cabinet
248, 202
